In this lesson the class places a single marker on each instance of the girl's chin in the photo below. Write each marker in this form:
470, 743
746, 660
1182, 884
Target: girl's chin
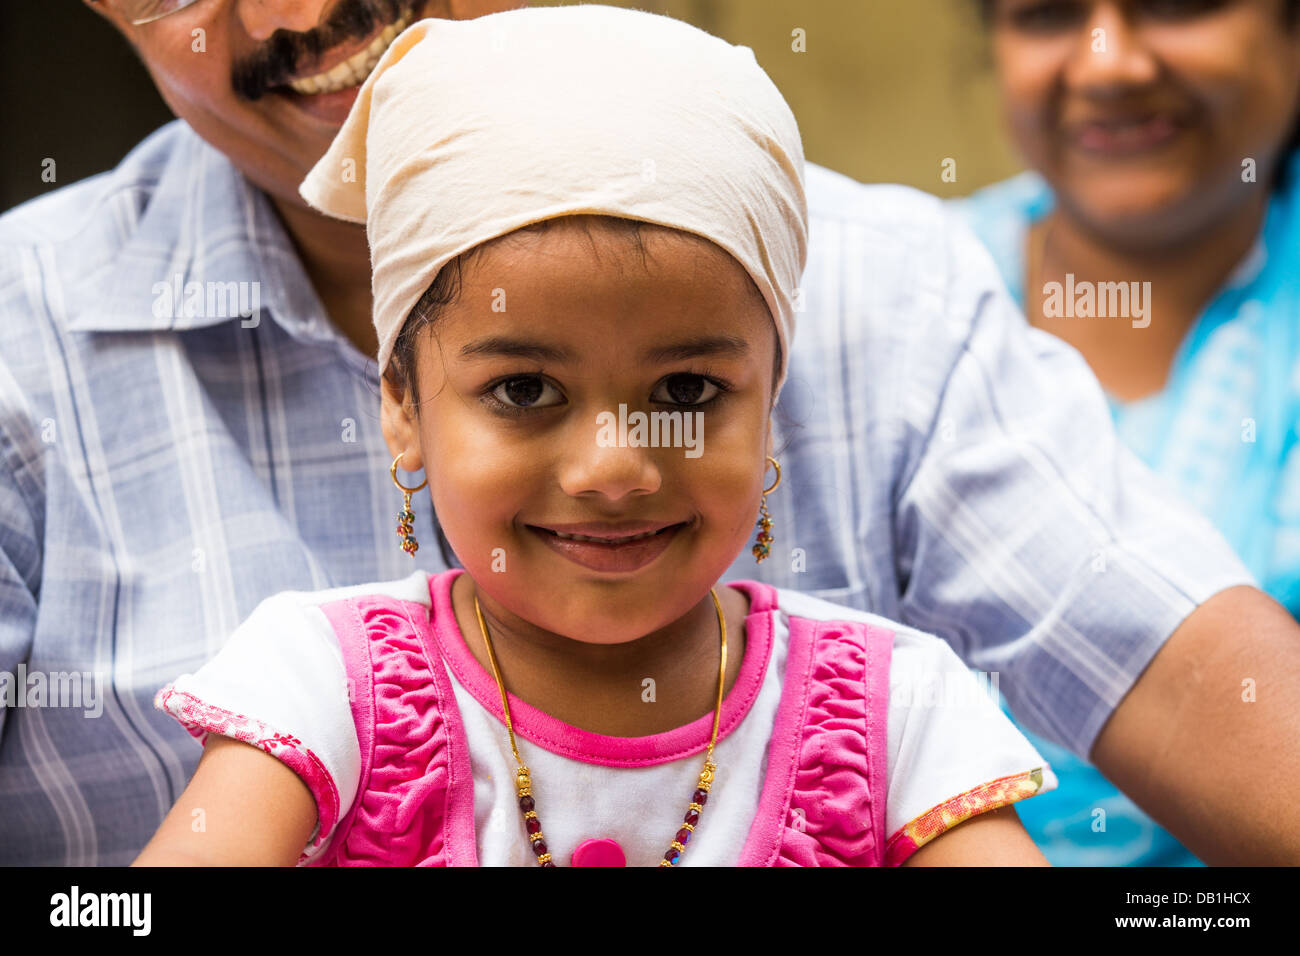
593, 609
597, 626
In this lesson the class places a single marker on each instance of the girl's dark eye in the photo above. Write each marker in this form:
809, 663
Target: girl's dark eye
686, 389
525, 391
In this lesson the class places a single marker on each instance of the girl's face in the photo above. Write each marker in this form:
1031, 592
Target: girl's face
521, 381
1140, 113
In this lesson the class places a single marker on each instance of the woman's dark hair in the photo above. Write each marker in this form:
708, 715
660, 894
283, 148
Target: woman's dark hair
445, 290
1287, 155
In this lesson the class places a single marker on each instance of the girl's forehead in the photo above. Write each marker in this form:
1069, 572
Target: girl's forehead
579, 288
584, 238
585, 256
551, 314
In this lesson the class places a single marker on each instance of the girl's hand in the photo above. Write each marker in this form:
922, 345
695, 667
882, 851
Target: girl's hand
242, 808
993, 838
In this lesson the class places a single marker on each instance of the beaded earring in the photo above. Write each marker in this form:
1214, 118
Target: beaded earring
763, 545
406, 517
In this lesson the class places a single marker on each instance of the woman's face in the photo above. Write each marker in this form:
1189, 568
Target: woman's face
1140, 113
521, 382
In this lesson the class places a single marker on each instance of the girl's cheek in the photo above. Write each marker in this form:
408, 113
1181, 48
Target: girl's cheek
727, 480
474, 480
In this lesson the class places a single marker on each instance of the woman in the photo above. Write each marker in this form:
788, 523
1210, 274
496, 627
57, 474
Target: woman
1158, 232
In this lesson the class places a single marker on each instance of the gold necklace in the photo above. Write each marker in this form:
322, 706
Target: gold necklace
523, 783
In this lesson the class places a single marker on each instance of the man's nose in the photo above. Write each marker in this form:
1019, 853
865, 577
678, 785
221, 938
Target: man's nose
261, 18
1111, 55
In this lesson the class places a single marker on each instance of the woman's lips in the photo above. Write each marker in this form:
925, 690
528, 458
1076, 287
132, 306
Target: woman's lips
616, 557
1125, 135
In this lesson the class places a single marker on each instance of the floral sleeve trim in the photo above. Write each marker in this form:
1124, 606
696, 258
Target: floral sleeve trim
939, 819
201, 719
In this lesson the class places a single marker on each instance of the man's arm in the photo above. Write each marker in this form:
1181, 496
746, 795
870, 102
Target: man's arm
1208, 739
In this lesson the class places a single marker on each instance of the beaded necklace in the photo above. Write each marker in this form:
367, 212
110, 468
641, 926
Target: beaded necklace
523, 782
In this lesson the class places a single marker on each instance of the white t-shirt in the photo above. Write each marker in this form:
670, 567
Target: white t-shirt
283, 667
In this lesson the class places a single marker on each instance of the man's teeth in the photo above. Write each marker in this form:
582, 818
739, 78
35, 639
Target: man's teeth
355, 68
583, 537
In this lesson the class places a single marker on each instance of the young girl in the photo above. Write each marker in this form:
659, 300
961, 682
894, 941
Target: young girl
587, 230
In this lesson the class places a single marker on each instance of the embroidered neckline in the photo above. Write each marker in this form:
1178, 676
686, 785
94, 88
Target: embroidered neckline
567, 740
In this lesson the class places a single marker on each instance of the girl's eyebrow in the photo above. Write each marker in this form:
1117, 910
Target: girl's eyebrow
515, 348
716, 345
726, 346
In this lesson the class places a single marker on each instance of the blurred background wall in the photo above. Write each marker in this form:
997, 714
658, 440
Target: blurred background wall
884, 90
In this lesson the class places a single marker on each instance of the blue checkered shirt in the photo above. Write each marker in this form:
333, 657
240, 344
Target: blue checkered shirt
163, 470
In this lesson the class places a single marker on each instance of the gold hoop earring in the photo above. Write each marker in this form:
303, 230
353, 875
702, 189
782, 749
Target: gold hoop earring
406, 517
763, 544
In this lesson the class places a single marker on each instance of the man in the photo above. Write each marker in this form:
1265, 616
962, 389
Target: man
189, 423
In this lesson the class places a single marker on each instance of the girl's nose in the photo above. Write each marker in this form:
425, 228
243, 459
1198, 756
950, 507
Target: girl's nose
590, 468
1111, 56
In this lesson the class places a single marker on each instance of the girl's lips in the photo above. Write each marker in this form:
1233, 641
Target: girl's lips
614, 558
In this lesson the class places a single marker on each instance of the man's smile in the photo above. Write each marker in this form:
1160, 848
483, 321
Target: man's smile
319, 73
336, 74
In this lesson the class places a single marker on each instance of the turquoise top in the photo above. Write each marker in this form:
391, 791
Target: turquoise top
1222, 433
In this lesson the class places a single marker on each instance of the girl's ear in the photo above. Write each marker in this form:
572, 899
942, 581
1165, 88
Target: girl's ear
401, 431
770, 443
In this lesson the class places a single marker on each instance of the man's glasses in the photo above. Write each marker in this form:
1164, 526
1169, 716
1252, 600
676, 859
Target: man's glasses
147, 11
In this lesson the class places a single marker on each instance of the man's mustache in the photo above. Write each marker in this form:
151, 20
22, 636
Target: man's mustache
280, 59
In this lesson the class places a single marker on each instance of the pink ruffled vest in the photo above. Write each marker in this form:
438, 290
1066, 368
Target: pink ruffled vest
414, 805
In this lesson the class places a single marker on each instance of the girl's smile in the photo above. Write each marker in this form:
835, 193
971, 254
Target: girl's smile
606, 552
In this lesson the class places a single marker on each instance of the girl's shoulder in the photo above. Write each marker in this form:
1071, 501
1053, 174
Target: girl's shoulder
414, 588
914, 652
280, 683
951, 751
289, 634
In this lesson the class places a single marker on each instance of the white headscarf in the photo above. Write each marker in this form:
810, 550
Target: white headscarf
470, 129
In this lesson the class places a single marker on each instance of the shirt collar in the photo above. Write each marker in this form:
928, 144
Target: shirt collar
208, 245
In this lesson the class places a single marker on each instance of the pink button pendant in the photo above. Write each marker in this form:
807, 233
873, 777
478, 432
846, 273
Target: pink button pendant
598, 853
